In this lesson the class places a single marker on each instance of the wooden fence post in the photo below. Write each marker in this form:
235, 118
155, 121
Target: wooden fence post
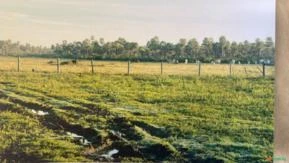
92, 66
199, 68
128, 67
264, 70
18, 64
58, 65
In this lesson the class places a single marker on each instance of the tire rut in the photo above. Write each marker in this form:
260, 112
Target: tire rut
121, 131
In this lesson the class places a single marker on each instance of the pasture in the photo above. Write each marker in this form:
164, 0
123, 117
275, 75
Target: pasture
139, 68
178, 116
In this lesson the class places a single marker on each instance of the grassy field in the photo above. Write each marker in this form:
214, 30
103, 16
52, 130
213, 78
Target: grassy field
81, 117
110, 67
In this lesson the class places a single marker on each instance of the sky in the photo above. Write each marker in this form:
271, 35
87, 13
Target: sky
46, 22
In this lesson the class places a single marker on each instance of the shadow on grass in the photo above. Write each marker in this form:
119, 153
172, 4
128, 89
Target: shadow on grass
14, 154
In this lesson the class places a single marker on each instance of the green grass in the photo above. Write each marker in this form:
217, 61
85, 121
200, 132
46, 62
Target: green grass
160, 118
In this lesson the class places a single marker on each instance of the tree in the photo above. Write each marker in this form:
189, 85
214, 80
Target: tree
206, 51
192, 49
222, 43
234, 50
76, 50
86, 48
154, 45
259, 45
180, 48
224, 46
269, 49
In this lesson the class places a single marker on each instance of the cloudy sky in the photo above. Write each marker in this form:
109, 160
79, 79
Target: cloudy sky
44, 22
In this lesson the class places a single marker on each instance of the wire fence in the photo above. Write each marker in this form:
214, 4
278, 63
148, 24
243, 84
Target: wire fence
18, 64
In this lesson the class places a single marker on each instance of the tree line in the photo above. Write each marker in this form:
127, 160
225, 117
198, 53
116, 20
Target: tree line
155, 49
9, 48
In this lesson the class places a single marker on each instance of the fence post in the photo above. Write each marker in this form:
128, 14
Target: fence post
18, 64
92, 66
162, 67
58, 65
128, 67
264, 70
199, 68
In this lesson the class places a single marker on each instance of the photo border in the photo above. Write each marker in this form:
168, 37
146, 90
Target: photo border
281, 111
